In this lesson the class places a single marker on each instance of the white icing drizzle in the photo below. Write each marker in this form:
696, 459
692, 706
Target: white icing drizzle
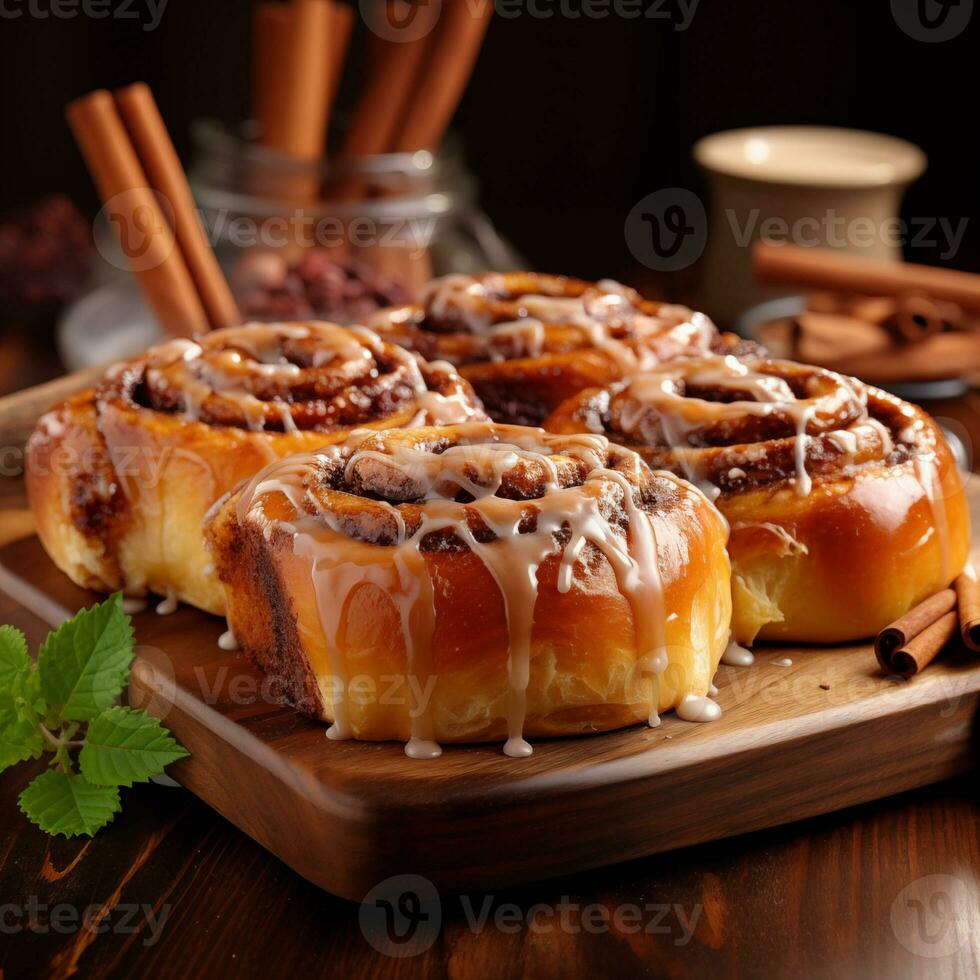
133, 604
695, 708
671, 331
478, 463
660, 397
783, 662
168, 605
791, 546
216, 371
927, 471
737, 656
522, 338
228, 640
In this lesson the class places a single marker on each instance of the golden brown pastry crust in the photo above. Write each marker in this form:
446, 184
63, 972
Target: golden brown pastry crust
120, 477
333, 562
527, 341
845, 503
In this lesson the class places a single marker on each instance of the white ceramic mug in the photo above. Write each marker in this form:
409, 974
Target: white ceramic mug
811, 185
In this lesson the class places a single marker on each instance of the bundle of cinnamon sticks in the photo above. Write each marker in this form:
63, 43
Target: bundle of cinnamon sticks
911, 643
148, 203
418, 56
419, 59
884, 322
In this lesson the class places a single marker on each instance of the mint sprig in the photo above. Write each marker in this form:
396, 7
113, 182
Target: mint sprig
65, 704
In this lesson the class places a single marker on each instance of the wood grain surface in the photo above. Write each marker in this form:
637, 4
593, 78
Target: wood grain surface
886, 889
825, 732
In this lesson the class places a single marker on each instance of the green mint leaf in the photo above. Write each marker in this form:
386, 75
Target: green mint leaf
15, 662
123, 746
66, 803
85, 663
20, 739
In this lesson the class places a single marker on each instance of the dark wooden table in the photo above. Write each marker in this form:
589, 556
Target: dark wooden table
891, 889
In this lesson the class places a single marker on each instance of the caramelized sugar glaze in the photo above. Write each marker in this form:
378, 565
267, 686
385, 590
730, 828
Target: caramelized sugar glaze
120, 476
845, 503
505, 581
527, 341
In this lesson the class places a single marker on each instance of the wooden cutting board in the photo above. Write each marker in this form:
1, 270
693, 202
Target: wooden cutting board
827, 732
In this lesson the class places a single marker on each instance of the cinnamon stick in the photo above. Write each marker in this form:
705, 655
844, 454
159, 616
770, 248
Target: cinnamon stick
270, 41
967, 589
297, 124
440, 87
145, 235
162, 165
818, 268
394, 67
921, 650
908, 644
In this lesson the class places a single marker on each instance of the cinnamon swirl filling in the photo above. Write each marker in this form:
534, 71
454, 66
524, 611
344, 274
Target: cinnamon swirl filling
730, 424
290, 377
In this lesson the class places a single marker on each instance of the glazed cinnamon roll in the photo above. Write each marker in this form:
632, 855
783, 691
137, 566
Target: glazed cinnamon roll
476, 582
845, 503
527, 341
120, 476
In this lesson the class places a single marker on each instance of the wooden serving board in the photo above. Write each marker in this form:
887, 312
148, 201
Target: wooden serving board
827, 732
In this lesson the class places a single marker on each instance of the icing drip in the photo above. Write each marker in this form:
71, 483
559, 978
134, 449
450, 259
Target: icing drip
783, 662
790, 545
168, 605
228, 640
737, 656
611, 316
133, 604
660, 399
244, 375
694, 708
511, 537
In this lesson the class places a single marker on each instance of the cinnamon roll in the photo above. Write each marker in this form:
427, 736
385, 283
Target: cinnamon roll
121, 476
527, 341
475, 582
845, 503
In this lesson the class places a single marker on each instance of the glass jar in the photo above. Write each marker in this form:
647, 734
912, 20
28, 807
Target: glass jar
337, 238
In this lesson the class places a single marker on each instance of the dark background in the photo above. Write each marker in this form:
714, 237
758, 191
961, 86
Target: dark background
568, 120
